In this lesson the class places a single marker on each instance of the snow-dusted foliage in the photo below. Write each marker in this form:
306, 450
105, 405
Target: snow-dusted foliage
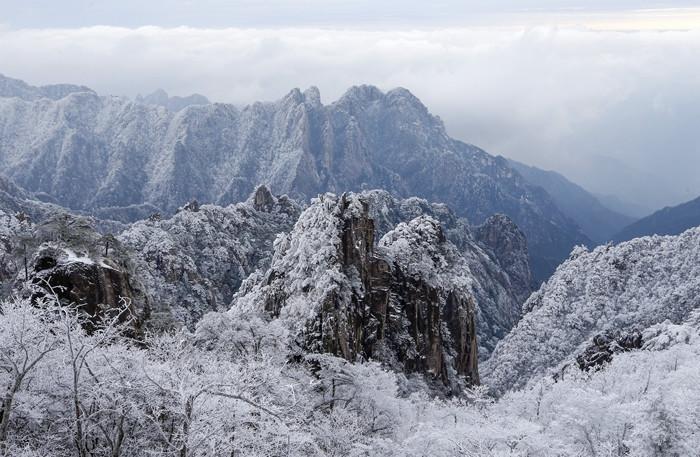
231, 388
195, 261
418, 247
631, 286
304, 267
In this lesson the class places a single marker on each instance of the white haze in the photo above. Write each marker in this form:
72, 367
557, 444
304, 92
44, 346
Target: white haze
616, 111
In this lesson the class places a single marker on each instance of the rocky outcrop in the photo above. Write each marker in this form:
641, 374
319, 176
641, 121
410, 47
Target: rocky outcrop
496, 254
65, 256
98, 287
603, 346
405, 302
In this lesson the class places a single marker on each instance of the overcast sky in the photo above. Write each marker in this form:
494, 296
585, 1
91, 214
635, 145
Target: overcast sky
606, 92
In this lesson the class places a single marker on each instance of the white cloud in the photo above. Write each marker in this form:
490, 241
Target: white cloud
571, 99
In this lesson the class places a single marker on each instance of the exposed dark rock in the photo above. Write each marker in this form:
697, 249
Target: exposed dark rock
263, 199
98, 287
191, 206
604, 346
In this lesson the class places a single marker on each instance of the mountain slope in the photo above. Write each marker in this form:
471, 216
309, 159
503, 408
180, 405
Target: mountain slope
667, 221
598, 222
106, 153
623, 288
194, 262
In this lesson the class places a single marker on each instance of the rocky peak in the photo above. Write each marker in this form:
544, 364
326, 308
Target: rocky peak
340, 294
361, 94
262, 199
404, 96
312, 96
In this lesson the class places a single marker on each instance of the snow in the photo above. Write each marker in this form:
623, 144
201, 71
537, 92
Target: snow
631, 286
72, 257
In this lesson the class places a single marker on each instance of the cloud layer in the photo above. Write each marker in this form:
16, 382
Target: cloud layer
615, 111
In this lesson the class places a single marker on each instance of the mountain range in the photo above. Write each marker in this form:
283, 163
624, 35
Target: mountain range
124, 160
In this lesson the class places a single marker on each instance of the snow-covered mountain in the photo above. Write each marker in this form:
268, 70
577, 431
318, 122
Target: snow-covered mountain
15, 88
193, 262
126, 159
611, 290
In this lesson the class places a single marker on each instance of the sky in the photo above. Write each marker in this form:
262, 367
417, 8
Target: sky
606, 92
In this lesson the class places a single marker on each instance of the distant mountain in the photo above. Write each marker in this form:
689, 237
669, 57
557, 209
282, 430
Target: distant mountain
10, 87
174, 103
667, 221
90, 153
623, 206
597, 221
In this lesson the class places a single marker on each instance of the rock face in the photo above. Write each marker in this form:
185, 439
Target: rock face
502, 280
611, 290
122, 159
99, 288
499, 234
604, 346
65, 255
406, 302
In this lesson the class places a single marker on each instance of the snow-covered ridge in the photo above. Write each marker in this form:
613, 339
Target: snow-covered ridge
194, 262
631, 286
